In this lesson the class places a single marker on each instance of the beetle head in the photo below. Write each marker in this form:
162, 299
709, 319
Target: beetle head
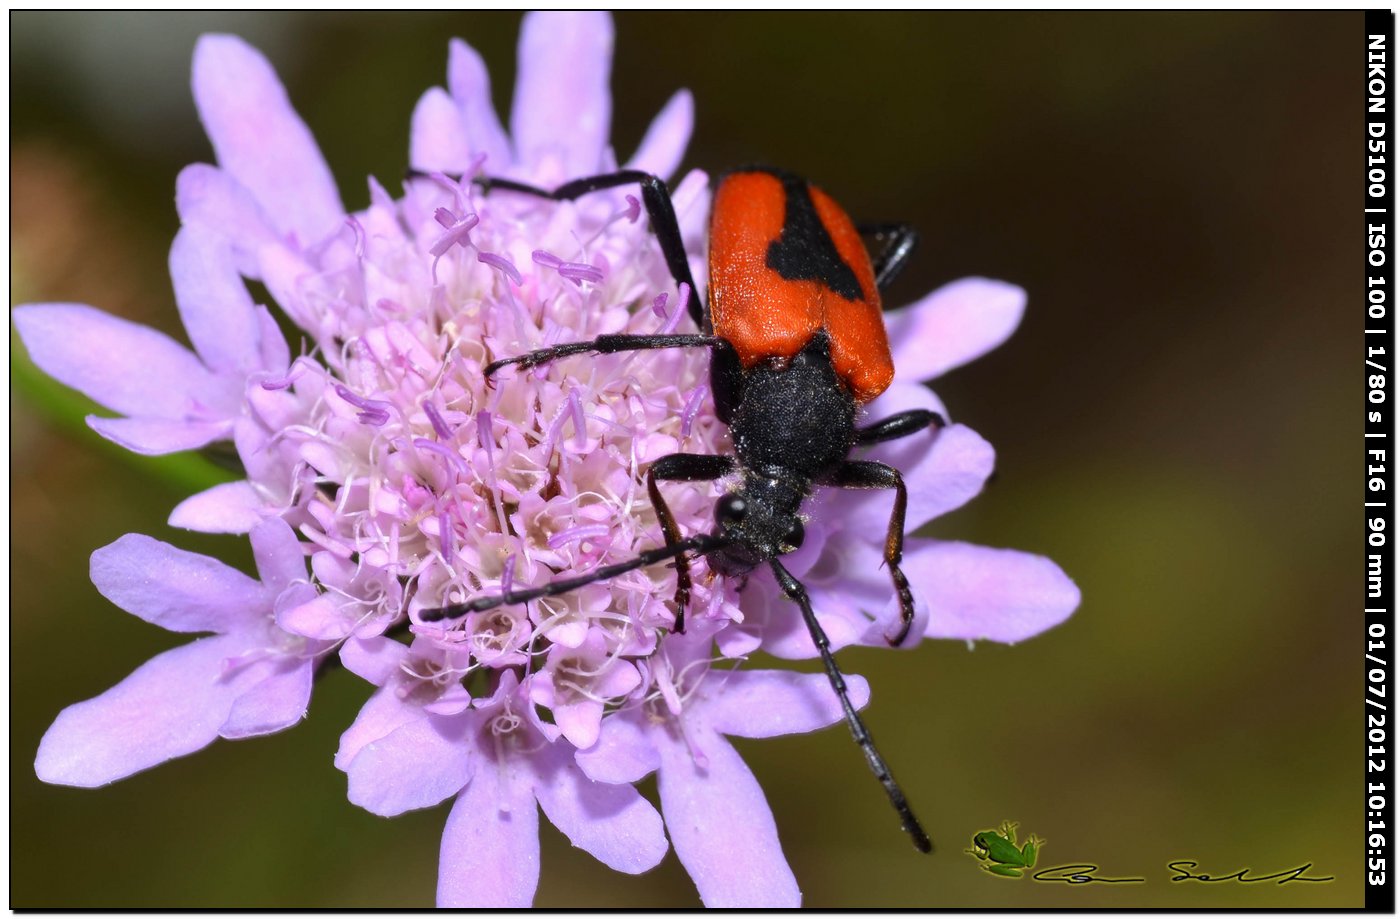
760, 517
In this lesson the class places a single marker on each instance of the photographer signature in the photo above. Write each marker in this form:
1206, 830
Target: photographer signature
1283, 877
1080, 874
999, 854
1182, 871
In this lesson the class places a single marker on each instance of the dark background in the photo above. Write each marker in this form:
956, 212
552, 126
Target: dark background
1175, 420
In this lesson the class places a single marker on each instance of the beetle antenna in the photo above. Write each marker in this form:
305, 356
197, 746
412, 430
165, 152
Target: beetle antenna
798, 594
701, 543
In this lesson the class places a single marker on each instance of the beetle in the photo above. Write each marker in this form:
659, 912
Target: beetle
798, 346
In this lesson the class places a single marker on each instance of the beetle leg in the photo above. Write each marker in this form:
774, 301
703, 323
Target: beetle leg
892, 259
870, 474
682, 467
899, 425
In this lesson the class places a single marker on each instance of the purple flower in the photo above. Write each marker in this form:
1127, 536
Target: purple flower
715, 811
421, 739
250, 678
382, 455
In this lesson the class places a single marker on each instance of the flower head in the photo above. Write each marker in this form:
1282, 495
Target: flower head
383, 454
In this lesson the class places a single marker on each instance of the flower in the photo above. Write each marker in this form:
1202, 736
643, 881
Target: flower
719, 820
382, 454
421, 739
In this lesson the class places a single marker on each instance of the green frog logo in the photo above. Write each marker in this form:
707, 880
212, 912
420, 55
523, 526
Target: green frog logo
998, 853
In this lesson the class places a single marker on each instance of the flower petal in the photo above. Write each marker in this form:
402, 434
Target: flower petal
612, 823
849, 574
209, 198
957, 323
951, 471
174, 589
381, 715
784, 631
318, 618
890, 622
691, 197
374, 659
470, 86
170, 706
273, 351
438, 137
769, 703
975, 592
623, 753
126, 367
214, 304
278, 554
261, 140
562, 104
707, 809
490, 855
233, 507
664, 144
158, 436
736, 643
287, 276
277, 702
902, 396
579, 721
418, 764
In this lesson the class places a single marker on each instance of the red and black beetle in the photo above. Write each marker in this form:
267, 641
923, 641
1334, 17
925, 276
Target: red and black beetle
798, 341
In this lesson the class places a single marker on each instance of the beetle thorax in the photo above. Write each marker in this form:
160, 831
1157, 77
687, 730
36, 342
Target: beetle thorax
795, 416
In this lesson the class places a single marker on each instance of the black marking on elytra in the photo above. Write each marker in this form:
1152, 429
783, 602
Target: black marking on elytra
805, 250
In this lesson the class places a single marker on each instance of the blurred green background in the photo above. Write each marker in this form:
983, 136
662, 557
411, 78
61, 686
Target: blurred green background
1176, 425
